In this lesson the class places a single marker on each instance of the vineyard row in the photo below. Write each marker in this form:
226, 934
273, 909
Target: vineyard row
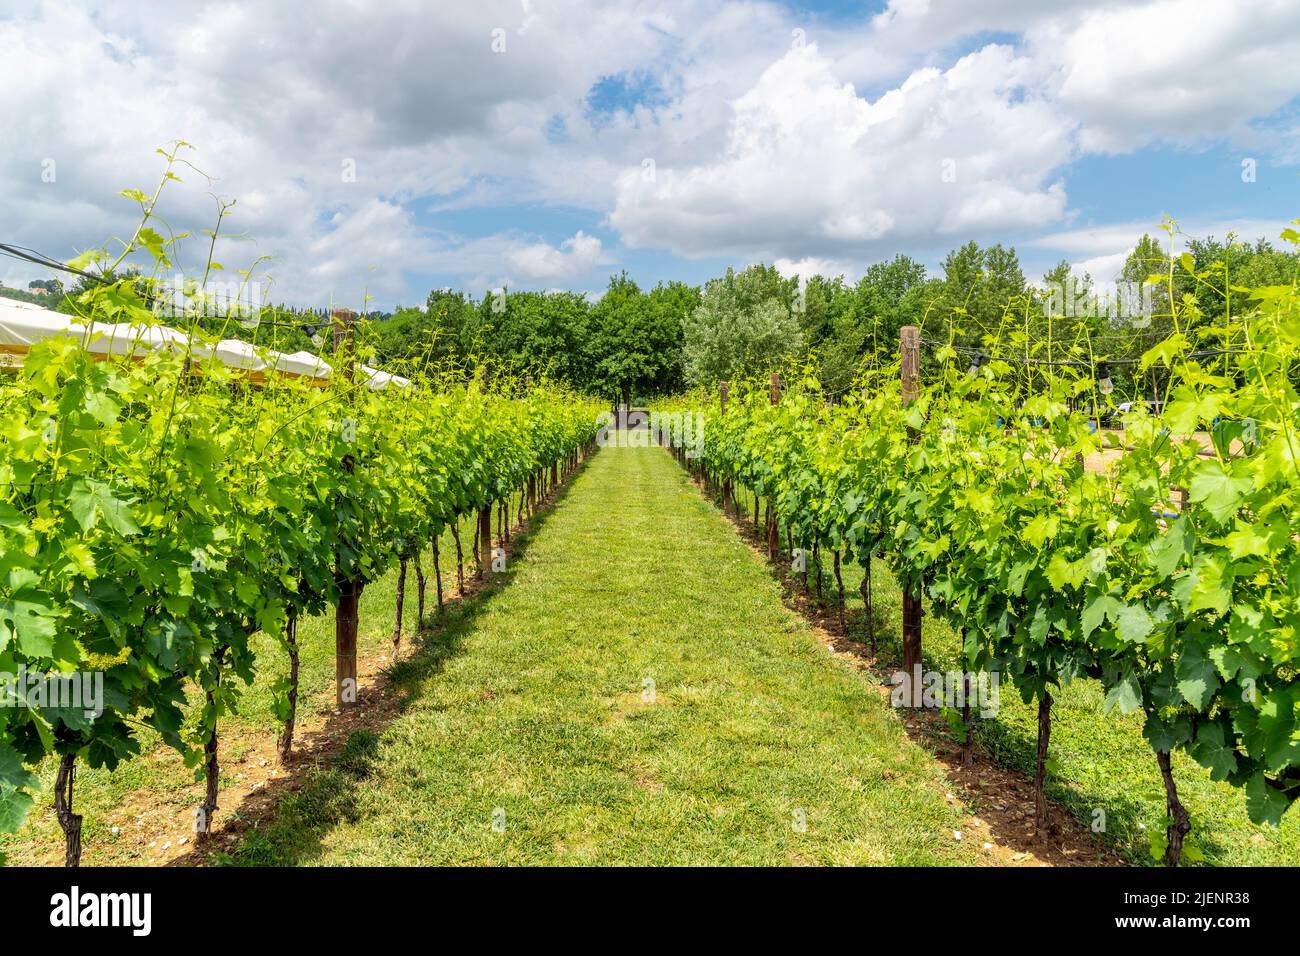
973, 489
152, 520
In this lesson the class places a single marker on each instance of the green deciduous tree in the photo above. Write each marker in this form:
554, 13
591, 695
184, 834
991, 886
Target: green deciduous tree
744, 323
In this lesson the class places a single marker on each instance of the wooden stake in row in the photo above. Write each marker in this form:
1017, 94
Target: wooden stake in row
723, 389
773, 538
347, 618
910, 369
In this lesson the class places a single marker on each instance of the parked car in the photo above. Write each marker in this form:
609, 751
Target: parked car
1115, 416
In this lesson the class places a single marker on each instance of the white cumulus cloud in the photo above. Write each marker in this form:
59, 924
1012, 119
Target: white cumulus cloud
811, 168
574, 257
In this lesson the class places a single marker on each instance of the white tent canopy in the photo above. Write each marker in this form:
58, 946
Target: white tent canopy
23, 324
376, 378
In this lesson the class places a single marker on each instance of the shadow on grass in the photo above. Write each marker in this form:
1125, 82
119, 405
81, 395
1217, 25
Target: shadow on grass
286, 821
1014, 747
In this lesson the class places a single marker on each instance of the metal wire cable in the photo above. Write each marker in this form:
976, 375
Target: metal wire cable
24, 254
1075, 363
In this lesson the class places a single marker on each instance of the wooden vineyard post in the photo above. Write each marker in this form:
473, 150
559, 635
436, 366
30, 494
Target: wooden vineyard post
346, 618
910, 369
723, 388
485, 540
344, 324
773, 539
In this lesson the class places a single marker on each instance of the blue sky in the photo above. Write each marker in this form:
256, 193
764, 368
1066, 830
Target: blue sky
550, 143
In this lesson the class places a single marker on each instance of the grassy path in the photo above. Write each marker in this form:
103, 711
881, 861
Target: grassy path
636, 693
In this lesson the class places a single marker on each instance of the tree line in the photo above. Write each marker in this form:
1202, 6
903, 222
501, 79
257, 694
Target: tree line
630, 343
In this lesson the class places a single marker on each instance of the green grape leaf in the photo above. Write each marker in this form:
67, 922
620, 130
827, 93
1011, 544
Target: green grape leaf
30, 617
14, 806
1134, 624
1126, 694
1212, 751
1197, 677
1097, 610
1264, 804
89, 499
1166, 551
1164, 736
1219, 491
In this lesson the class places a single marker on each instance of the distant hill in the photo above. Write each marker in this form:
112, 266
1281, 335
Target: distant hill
22, 295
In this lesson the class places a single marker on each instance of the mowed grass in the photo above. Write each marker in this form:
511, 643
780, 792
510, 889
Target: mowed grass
636, 693
1102, 761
